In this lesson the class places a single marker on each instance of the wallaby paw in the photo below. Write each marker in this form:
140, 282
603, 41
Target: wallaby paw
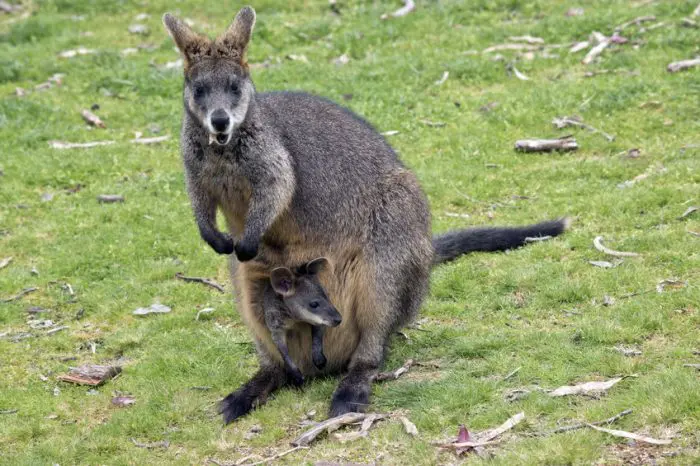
222, 245
348, 400
246, 251
319, 361
234, 406
295, 378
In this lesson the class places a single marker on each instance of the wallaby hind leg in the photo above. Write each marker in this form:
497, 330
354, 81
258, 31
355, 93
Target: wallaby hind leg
294, 376
253, 393
317, 355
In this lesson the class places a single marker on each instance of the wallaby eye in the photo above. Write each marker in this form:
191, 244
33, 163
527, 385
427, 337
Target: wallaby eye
198, 91
234, 87
313, 304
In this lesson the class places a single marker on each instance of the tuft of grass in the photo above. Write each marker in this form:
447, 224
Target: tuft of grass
538, 308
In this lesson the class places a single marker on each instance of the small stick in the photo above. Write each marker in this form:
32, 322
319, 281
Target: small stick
566, 121
110, 198
597, 242
92, 119
153, 140
25, 291
382, 376
607, 421
566, 143
637, 21
78, 145
204, 281
595, 51
329, 424
683, 65
277, 456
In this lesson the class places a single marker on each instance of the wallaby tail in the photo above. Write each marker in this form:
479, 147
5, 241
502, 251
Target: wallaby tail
453, 244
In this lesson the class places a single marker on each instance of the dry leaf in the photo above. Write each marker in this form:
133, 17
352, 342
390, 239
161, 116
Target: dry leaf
92, 119
597, 242
491, 434
408, 426
76, 52
301, 58
574, 11
683, 65
392, 132
139, 29
344, 59
110, 198
630, 435
123, 401
690, 210
5, 262
602, 264
585, 388
441, 81
408, 6
152, 309
90, 374
670, 283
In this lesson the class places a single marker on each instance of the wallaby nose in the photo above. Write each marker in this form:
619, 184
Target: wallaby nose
336, 318
219, 120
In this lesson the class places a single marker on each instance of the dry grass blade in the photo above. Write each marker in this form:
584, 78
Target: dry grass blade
78, 145
19, 295
382, 376
204, 281
408, 426
518, 74
585, 388
563, 144
683, 65
597, 243
408, 6
329, 424
442, 80
92, 119
630, 435
527, 39
5, 262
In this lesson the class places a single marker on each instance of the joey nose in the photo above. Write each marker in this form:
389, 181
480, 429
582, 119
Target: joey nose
219, 120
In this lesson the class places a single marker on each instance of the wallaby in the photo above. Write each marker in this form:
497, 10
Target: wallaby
292, 298
299, 177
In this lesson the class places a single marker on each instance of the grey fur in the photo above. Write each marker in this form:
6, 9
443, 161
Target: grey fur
300, 177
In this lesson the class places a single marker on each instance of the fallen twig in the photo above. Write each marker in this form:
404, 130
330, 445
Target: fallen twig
578, 46
153, 140
585, 388
272, 458
607, 421
637, 21
78, 145
329, 424
683, 65
382, 376
483, 438
564, 144
205, 281
630, 435
595, 51
597, 242
92, 119
565, 122
160, 444
5, 262
515, 47
19, 295
408, 6
110, 198
528, 39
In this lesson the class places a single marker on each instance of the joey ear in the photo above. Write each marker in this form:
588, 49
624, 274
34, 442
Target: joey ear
192, 45
282, 280
234, 42
317, 266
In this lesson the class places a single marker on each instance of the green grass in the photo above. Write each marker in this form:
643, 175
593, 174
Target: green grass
487, 314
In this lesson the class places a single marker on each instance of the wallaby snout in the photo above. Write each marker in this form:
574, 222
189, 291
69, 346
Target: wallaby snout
332, 317
220, 120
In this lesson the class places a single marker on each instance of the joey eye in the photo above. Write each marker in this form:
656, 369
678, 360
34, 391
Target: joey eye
313, 304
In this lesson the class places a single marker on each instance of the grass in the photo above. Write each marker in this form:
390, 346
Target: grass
538, 308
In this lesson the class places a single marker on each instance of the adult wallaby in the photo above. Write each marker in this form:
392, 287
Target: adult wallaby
294, 297
299, 177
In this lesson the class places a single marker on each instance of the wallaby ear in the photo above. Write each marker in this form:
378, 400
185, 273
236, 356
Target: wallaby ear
317, 266
192, 45
282, 280
234, 42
